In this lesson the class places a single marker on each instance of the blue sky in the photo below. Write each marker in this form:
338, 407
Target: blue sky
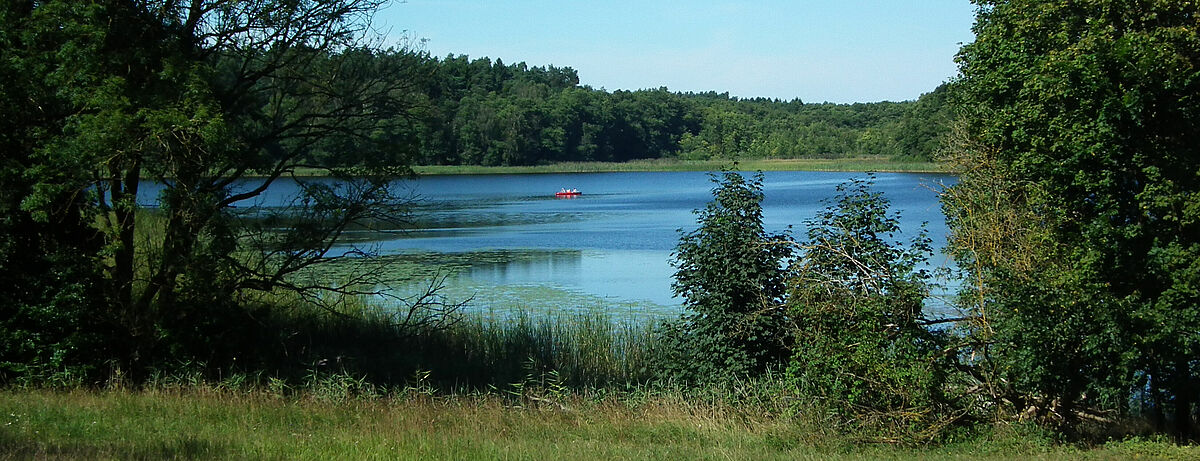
816, 50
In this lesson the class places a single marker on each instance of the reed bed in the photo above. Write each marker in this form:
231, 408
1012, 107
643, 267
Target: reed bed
292, 341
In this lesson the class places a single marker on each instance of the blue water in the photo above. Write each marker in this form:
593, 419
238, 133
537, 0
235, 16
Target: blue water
625, 224
620, 233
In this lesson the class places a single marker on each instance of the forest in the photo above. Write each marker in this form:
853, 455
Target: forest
1074, 225
482, 112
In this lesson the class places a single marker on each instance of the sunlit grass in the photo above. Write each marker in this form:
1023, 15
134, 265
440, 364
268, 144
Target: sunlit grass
209, 423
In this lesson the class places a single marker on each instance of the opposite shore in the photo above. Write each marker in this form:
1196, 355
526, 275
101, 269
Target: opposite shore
874, 164
877, 164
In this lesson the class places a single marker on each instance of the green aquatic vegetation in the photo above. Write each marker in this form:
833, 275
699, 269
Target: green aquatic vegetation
409, 274
424, 265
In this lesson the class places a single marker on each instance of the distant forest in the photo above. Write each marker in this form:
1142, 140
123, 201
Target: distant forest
484, 112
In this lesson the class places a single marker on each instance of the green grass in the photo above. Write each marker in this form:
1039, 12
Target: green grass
291, 340
842, 164
569, 350
210, 423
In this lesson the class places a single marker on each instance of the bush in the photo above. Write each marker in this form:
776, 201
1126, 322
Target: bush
863, 351
731, 276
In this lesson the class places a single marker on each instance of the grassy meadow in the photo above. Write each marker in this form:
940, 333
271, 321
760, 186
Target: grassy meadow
516, 388
216, 422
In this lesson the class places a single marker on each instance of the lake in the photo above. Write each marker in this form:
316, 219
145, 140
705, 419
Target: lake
612, 245
510, 243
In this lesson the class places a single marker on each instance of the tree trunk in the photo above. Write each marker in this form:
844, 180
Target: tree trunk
1183, 401
1158, 415
124, 188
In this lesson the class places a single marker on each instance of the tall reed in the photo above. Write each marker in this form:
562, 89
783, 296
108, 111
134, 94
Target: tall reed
480, 351
583, 349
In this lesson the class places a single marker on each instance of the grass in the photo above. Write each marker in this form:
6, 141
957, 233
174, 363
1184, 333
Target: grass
547, 387
842, 164
478, 351
211, 423
576, 351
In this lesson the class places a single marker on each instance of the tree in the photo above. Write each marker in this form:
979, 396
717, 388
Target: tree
920, 130
49, 320
863, 347
218, 100
1086, 111
730, 273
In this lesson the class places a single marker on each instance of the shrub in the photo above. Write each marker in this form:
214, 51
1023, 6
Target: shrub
863, 351
731, 276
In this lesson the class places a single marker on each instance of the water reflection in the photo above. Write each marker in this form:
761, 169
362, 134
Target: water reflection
553, 266
613, 275
514, 243
502, 282
624, 227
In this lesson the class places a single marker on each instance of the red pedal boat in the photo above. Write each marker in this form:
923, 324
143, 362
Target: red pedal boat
568, 193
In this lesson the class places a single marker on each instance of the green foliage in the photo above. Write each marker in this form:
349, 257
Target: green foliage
101, 96
730, 273
922, 128
52, 323
863, 350
51, 327
484, 112
304, 345
1084, 116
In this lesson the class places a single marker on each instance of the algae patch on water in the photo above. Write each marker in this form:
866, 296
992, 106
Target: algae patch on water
478, 277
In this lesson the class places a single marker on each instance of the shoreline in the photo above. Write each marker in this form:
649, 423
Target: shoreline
881, 165
855, 164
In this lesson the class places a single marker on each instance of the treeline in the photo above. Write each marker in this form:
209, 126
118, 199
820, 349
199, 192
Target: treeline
485, 112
